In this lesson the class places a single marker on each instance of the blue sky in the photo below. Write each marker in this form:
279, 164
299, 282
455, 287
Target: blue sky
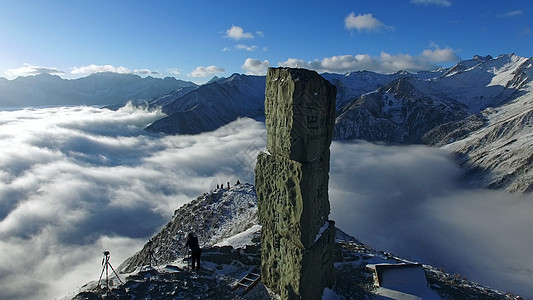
195, 40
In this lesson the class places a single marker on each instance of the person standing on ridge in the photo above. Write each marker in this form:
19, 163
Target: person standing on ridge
196, 252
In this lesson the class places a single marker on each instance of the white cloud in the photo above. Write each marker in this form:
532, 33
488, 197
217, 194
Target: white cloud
245, 47
295, 63
237, 33
408, 200
225, 49
403, 62
363, 22
75, 181
206, 71
440, 55
255, 66
513, 13
348, 62
27, 70
385, 63
145, 72
174, 71
444, 3
90, 69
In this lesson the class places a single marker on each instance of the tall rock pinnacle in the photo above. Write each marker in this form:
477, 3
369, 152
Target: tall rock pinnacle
291, 179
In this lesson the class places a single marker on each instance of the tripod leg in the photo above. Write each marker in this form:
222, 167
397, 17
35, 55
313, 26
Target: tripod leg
116, 274
101, 275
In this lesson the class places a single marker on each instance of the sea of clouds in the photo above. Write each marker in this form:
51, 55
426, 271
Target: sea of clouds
75, 181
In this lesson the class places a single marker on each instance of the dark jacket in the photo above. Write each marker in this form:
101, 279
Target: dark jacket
192, 243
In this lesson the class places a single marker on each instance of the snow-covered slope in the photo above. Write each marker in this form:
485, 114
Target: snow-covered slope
99, 88
212, 217
483, 81
435, 110
354, 84
500, 154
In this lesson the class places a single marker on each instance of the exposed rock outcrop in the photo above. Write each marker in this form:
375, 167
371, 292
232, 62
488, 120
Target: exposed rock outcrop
212, 217
297, 241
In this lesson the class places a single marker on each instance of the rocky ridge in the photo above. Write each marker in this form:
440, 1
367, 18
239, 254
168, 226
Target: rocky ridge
227, 257
213, 105
214, 216
498, 155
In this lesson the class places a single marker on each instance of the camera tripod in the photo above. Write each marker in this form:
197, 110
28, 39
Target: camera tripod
106, 264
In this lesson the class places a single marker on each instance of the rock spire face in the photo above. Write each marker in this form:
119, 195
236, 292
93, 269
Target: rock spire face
291, 180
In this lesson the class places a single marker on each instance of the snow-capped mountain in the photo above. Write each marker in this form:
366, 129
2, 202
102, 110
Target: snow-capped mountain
410, 107
222, 100
214, 105
355, 84
482, 107
499, 155
398, 112
225, 221
483, 81
99, 88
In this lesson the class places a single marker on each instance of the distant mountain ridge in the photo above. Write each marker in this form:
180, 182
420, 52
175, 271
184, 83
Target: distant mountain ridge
482, 96
460, 91
213, 105
410, 108
97, 89
479, 108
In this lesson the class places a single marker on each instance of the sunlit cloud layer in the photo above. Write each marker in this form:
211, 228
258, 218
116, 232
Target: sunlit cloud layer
384, 63
91, 69
206, 71
76, 181
28, 70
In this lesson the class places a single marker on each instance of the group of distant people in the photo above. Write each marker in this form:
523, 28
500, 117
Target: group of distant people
221, 186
